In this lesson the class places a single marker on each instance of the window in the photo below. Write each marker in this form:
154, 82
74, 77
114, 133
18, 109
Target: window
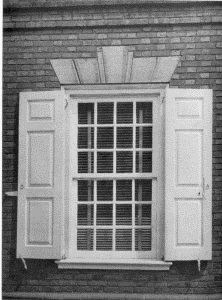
115, 157
115, 177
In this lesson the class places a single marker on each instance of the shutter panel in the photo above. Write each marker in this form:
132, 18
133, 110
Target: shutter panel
188, 181
41, 175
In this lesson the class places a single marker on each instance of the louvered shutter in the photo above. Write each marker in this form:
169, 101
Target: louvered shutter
188, 174
41, 175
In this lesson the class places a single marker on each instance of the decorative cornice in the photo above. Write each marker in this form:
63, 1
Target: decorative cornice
115, 65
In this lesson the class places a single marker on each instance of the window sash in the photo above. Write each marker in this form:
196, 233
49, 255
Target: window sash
132, 176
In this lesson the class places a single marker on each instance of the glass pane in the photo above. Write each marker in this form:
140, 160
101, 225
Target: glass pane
123, 239
143, 190
105, 138
143, 214
105, 113
104, 214
105, 190
124, 137
104, 239
144, 112
123, 214
86, 138
144, 137
105, 162
85, 190
124, 190
143, 162
85, 162
85, 113
85, 239
85, 215
124, 112
143, 239
124, 162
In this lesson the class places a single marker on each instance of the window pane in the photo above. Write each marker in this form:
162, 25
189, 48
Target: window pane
144, 137
85, 113
85, 190
124, 112
85, 239
143, 239
143, 162
105, 138
144, 112
143, 190
142, 214
85, 214
105, 162
105, 190
105, 113
85, 162
124, 162
123, 239
104, 239
123, 214
104, 215
86, 138
124, 137
124, 190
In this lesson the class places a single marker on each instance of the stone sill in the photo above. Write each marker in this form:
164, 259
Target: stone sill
114, 264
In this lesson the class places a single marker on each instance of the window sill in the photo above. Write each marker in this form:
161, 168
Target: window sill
125, 264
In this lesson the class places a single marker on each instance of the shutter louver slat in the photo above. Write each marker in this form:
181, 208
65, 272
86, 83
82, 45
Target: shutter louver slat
83, 162
85, 138
142, 215
146, 137
105, 162
123, 239
85, 190
124, 137
105, 113
146, 186
123, 214
143, 239
105, 138
146, 161
85, 215
124, 190
124, 162
85, 239
104, 216
125, 113
84, 110
147, 112
104, 190
104, 239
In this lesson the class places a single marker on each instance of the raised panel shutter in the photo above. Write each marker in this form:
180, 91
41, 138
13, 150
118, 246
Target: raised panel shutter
188, 174
41, 175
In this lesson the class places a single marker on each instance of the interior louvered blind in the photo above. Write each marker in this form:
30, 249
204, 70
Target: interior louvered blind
115, 159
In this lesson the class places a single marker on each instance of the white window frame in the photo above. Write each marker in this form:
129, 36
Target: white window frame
100, 259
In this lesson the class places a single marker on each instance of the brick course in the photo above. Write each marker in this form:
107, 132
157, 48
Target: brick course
31, 39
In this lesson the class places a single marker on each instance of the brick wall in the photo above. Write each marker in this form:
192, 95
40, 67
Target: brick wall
31, 39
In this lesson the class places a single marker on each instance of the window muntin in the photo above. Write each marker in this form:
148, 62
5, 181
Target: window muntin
118, 154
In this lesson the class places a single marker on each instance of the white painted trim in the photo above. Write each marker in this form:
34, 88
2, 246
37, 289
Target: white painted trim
114, 264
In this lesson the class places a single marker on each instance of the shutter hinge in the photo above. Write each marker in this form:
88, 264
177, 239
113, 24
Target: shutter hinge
163, 97
24, 263
199, 264
67, 102
64, 256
